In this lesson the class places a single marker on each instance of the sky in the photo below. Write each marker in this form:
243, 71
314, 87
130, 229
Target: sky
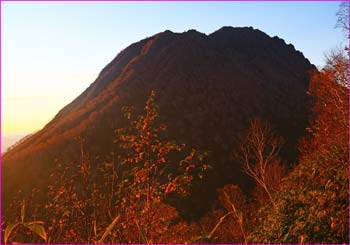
52, 51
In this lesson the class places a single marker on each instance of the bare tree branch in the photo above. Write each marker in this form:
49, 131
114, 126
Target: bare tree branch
343, 17
259, 153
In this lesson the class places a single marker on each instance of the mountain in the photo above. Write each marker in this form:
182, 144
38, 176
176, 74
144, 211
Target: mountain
208, 88
9, 140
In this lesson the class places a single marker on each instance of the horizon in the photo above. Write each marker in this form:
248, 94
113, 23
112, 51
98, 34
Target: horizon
59, 49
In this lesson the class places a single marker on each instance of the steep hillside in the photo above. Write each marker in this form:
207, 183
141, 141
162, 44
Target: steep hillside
208, 87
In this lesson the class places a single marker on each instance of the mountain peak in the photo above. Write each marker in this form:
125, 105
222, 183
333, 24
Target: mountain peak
208, 87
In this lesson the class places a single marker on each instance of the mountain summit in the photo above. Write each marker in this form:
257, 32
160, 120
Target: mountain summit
208, 87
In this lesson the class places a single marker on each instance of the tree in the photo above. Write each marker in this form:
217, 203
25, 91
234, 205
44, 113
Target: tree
259, 154
154, 171
122, 200
328, 91
313, 204
343, 17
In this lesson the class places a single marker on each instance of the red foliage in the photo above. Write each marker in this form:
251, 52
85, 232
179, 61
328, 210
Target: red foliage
153, 177
329, 90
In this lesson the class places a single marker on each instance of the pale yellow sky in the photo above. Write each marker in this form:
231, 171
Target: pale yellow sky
30, 101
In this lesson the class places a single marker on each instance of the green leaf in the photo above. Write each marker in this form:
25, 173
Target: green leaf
109, 229
8, 231
23, 210
38, 228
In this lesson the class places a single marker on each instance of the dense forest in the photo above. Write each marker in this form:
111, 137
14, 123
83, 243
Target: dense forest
288, 183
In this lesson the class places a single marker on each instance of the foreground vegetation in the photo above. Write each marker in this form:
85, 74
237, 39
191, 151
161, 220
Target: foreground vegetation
129, 199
